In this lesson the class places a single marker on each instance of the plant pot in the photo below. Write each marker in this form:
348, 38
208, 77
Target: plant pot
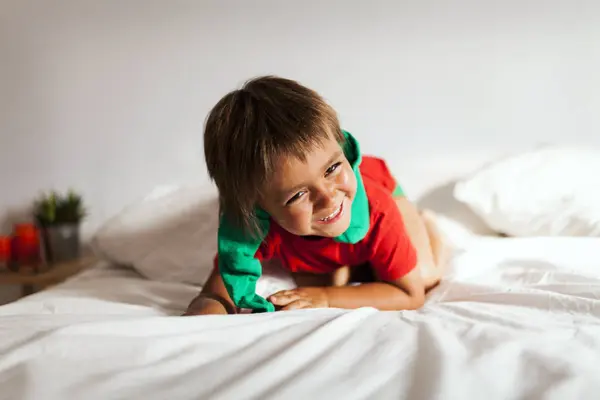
61, 242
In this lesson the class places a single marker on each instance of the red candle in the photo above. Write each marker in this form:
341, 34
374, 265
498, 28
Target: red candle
5, 243
26, 243
25, 229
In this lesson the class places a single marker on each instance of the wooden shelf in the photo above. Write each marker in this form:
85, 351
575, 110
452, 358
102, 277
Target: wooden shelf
50, 274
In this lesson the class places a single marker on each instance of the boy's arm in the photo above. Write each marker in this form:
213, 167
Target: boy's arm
213, 299
406, 293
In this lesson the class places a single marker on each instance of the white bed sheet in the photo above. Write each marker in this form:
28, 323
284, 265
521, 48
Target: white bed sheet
514, 319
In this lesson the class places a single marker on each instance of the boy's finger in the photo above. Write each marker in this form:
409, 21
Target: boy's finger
297, 304
282, 293
284, 297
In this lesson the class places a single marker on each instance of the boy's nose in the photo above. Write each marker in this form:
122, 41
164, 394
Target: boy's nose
326, 197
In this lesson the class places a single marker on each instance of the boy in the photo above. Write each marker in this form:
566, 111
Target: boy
294, 188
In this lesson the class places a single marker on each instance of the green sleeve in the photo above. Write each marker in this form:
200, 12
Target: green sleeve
238, 266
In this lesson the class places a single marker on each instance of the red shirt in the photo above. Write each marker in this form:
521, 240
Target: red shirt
386, 246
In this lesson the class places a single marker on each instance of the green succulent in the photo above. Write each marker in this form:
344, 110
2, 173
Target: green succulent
54, 209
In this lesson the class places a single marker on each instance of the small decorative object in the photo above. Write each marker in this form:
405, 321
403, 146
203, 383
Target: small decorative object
59, 217
25, 247
5, 253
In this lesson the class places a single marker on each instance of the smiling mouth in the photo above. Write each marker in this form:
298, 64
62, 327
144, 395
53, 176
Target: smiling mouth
334, 216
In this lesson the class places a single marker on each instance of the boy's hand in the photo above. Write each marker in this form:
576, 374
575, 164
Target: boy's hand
295, 299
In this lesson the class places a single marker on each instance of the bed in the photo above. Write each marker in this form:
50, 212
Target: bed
514, 318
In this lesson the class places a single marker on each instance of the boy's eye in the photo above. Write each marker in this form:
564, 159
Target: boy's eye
294, 198
332, 168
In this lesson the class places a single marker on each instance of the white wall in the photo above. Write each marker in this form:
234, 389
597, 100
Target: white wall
109, 97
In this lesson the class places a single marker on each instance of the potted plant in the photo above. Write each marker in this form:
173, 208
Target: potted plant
59, 218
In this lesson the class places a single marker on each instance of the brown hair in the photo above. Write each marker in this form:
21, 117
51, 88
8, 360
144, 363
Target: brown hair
249, 128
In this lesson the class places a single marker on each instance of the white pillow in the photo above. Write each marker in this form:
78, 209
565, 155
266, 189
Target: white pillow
169, 236
550, 191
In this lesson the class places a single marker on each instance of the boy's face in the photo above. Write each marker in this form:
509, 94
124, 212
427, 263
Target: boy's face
312, 197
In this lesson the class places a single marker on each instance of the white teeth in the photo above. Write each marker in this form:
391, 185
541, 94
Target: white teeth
333, 214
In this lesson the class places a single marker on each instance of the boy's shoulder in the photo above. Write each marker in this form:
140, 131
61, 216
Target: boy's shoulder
380, 185
382, 205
